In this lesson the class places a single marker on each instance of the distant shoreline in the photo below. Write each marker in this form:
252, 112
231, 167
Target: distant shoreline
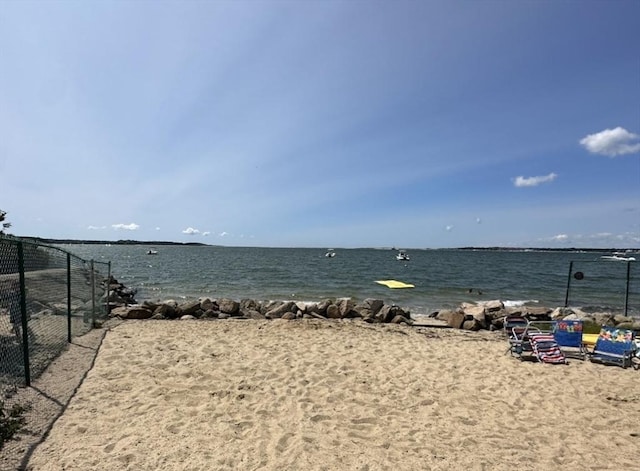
200, 244
109, 242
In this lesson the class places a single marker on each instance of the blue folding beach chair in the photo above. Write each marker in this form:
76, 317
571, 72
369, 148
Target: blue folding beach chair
568, 335
615, 346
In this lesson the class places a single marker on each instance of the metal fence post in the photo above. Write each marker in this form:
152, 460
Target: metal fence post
108, 288
23, 315
68, 297
93, 294
626, 293
566, 296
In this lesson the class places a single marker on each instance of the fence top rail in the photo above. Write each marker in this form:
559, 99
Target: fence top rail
6, 238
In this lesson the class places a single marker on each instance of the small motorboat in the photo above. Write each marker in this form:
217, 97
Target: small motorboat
402, 255
330, 253
152, 252
619, 257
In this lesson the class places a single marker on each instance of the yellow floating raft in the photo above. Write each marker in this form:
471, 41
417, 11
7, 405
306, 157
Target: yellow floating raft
394, 284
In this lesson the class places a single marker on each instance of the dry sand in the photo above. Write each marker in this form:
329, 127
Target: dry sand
325, 395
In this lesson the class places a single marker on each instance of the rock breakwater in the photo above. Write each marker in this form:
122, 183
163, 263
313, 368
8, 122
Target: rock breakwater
488, 315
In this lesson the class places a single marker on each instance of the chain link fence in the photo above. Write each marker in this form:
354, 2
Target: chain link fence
47, 297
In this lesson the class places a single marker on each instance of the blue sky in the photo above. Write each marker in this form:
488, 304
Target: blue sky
323, 123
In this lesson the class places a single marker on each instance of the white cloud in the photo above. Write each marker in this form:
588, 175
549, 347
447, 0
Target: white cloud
533, 181
478, 221
206, 233
222, 234
560, 237
448, 228
191, 231
127, 227
612, 142
95, 228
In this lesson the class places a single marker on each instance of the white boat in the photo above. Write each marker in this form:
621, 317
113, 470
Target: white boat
402, 255
152, 252
619, 256
330, 253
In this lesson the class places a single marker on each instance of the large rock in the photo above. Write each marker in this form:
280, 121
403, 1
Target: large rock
279, 309
131, 312
322, 306
333, 312
249, 305
369, 307
620, 319
389, 312
537, 312
166, 311
604, 318
567, 313
477, 314
228, 306
347, 310
444, 315
455, 319
207, 304
471, 324
400, 319
189, 308
493, 305
252, 314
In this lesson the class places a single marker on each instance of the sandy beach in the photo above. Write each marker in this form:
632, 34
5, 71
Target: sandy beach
325, 395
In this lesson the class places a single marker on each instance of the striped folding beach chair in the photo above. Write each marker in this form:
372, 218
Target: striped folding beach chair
546, 349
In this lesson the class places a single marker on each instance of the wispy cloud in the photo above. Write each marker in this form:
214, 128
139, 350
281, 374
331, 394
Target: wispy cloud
534, 181
612, 142
127, 227
95, 228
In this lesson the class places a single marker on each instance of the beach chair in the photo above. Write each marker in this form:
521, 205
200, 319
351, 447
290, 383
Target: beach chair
514, 326
514, 321
519, 340
568, 335
546, 349
615, 347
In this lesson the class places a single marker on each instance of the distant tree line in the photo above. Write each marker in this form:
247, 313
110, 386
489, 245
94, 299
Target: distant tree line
5, 225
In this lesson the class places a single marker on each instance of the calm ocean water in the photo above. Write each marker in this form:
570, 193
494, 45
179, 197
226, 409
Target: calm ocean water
442, 278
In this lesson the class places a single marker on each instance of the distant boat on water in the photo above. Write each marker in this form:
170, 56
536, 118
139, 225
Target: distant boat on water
620, 257
402, 255
330, 253
152, 252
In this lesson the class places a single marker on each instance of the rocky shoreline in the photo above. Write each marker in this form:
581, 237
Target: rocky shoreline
488, 315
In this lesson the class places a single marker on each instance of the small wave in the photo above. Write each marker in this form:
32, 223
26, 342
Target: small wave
518, 303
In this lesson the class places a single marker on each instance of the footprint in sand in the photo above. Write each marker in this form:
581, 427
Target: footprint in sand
283, 442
